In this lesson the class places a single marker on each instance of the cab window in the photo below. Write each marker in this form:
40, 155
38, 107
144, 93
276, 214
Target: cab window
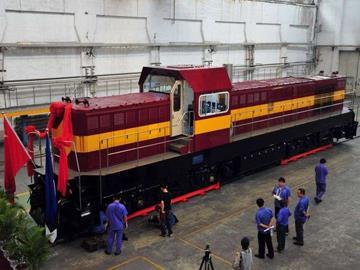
158, 83
177, 99
211, 104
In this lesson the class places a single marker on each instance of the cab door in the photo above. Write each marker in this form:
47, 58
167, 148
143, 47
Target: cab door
176, 98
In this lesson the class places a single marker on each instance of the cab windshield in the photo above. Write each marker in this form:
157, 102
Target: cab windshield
158, 83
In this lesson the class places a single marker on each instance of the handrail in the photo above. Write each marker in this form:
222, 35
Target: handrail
137, 148
40, 148
290, 114
132, 133
148, 145
181, 121
185, 113
79, 172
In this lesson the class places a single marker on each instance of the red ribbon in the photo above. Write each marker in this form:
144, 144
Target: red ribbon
58, 110
62, 142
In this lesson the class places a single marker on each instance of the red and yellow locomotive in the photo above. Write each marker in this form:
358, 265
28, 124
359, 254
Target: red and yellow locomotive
191, 127
196, 102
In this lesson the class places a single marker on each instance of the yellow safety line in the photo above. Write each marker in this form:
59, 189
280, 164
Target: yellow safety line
199, 248
137, 258
22, 194
236, 212
124, 263
31, 111
152, 263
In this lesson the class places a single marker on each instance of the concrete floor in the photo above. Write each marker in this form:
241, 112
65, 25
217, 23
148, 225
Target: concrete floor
221, 218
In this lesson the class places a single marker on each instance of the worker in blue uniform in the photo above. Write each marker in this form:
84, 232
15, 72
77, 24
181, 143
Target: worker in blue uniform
282, 222
100, 228
320, 178
301, 214
265, 222
116, 214
281, 193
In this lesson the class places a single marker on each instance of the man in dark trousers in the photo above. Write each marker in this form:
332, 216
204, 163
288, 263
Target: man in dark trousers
282, 222
301, 215
165, 212
320, 178
116, 214
282, 195
265, 221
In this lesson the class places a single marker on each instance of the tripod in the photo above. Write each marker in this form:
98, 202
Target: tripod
206, 260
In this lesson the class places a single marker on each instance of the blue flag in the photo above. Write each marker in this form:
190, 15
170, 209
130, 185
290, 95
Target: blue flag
50, 191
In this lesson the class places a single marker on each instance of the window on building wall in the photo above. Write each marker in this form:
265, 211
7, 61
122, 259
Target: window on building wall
215, 103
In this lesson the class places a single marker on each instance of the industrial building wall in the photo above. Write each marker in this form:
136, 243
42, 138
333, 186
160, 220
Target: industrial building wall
338, 38
56, 38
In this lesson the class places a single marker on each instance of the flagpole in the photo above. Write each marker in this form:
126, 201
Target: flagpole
22, 145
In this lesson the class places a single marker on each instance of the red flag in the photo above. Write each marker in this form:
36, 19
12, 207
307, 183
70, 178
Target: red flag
15, 156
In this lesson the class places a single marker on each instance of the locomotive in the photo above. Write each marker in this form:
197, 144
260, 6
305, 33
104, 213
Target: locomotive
190, 128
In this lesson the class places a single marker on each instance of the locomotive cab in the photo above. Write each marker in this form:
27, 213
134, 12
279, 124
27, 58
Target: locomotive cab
181, 99
199, 101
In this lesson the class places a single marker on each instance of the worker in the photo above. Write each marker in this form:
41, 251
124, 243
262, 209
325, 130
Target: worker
320, 178
282, 222
116, 214
301, 214
281, 193
102, 226
166, 219
265, 222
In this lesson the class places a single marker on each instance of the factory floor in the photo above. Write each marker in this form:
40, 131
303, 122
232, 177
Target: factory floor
221, 218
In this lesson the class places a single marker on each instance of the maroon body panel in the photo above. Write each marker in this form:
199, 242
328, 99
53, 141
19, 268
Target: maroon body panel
120, 112
211, 139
